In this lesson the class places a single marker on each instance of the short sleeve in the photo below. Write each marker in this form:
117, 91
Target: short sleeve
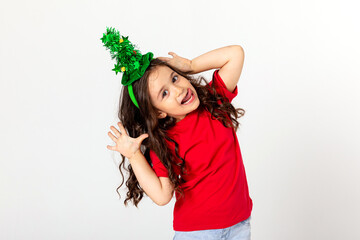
221, 87
157, 166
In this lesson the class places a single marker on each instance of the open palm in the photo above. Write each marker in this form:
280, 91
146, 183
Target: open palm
125, 144
183, 64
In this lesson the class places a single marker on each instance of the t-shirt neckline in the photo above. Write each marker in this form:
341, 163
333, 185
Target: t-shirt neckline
183, 122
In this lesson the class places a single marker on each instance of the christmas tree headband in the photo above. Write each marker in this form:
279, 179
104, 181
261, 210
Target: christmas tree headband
129, 60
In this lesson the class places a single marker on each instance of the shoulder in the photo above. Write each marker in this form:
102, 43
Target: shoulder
221, 88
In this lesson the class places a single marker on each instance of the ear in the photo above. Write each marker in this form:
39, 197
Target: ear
162, 114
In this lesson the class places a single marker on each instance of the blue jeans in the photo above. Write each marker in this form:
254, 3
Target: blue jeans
240, 231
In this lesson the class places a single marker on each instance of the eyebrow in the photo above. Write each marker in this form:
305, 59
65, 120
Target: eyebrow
171, 75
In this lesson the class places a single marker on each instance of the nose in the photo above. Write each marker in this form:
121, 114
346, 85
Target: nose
178, 90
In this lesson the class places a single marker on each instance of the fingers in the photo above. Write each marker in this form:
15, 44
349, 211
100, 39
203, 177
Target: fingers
164, 59
112, 136
142, 137
121, 136
122, 129
117, 133
111, 147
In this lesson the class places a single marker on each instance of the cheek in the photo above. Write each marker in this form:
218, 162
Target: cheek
153, 100
155, 103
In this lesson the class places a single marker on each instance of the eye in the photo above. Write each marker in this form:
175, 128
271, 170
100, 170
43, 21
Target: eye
174, 79
164, 93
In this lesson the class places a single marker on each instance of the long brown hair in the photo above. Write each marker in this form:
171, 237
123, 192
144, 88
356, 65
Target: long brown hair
145, 120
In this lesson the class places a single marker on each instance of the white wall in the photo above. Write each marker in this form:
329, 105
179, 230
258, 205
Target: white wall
58, 98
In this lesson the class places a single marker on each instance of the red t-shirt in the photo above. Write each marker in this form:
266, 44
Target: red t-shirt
216, 192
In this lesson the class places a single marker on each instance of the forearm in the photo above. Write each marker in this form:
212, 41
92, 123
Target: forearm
148, 180
214, 59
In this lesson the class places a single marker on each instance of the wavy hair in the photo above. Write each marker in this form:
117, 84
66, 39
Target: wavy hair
144, 120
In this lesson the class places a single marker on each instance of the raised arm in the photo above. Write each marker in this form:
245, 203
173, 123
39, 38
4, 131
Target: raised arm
229, 59
159, 189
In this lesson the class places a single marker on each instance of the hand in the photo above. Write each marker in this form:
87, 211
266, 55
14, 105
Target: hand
125, 144
180, 63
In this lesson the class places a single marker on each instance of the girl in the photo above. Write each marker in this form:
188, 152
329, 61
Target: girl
182, 138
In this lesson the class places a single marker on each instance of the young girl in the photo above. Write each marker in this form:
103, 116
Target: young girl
182, 138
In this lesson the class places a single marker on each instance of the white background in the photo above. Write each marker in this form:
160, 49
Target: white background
58, 98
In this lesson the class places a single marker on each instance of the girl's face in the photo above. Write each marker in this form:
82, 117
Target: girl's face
171, 93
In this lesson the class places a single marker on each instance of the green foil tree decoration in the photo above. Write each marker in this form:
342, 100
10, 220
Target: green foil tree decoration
129, 60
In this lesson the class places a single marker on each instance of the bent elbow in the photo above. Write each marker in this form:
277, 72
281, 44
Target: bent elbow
240, 51
239, 48
163, 201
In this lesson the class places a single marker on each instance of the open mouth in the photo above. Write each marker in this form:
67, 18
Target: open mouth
188, 97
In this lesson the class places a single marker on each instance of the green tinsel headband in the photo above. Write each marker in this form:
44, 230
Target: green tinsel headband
129, 60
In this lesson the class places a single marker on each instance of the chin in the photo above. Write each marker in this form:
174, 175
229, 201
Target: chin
195, 105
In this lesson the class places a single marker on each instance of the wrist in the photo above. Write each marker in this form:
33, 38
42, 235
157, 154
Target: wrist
191, 67
134, 156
